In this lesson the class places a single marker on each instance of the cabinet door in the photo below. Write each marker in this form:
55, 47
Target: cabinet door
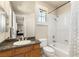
28, 54
19, 55
36, 53
19, 50
7, 53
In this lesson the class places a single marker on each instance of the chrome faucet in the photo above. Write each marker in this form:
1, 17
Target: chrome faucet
22, 37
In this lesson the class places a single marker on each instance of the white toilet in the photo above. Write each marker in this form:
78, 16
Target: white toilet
48, 51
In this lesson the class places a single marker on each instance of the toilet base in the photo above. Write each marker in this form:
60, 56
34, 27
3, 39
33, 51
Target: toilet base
49, 54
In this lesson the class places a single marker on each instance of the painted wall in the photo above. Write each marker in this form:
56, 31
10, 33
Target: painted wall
6, 6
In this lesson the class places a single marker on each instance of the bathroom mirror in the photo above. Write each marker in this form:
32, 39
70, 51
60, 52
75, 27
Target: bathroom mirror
26, 25
20, 26
2, 22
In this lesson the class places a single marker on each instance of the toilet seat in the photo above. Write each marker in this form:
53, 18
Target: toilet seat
49, 49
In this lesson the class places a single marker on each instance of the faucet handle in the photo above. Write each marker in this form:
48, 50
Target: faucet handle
22, 37
25, 38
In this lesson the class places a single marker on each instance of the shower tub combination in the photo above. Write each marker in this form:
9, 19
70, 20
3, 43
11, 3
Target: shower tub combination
61, 50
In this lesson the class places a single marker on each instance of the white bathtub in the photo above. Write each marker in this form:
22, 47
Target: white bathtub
61, 50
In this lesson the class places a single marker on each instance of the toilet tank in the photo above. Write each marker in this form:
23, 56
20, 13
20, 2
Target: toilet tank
43, 42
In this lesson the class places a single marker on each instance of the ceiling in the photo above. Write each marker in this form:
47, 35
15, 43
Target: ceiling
56, 4
25, 7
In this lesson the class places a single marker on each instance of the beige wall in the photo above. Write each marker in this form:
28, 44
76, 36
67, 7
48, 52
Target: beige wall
42, 30
64, 9
6, 6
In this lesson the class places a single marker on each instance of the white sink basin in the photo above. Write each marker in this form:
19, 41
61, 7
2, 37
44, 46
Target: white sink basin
24, 42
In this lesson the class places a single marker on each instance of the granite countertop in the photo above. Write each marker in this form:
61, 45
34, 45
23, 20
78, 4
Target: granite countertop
8, 44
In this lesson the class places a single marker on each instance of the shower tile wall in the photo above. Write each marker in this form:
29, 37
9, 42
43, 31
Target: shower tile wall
68, 27
51, 28
75, 27
63, 28
63, 24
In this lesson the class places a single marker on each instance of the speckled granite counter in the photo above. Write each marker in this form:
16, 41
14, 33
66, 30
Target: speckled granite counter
8, 44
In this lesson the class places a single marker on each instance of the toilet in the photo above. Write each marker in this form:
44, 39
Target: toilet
48, 51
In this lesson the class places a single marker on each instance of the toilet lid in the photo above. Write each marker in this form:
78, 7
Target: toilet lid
49, 49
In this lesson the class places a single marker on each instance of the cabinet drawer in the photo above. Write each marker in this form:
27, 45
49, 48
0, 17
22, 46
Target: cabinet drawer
36, 46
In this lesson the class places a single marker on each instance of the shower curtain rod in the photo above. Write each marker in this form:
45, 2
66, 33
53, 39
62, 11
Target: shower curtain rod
58, 7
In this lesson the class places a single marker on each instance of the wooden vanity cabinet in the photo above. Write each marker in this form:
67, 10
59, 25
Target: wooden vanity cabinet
26, 51
20, 55
28, 54
36, 51
6, 53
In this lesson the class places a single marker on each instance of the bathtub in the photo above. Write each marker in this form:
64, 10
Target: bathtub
61, 50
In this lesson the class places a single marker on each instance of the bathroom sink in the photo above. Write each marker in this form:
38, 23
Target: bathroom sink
24, 42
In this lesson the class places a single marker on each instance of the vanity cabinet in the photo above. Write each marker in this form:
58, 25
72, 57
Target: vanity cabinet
35, 53
6, 53
26, 51
36, 50
20, 55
